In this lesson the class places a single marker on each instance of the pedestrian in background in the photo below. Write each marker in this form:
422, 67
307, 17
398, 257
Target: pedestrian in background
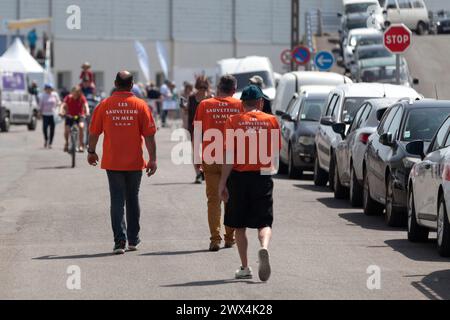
154, 98
184, 101
212, 114
247, 187
167, 98
202, 92
259, 82
49, 104
32, 41
125, 121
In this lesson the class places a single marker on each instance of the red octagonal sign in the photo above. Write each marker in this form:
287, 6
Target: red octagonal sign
397, 38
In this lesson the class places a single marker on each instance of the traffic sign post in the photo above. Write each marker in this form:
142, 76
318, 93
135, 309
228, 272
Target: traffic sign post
301, 55
286, 56
324, 60
397, 39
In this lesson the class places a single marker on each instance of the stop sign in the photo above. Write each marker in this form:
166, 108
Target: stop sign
397, 38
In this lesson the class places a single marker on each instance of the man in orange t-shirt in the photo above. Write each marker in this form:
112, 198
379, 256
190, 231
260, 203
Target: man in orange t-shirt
212, 115
252, 144
126, 123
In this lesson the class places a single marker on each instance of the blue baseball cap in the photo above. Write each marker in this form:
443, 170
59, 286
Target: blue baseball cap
48, 86
252, 92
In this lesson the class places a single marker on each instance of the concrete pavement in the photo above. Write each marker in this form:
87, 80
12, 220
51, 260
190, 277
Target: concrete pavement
53, 217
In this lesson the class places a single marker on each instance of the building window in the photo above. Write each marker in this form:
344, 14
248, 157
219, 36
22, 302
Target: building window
99, 77
64, 80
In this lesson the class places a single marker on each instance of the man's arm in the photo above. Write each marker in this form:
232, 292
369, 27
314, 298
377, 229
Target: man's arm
92, 155
223, 190
150, 143
86, 109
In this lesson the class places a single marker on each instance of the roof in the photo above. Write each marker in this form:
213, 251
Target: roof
346, 2
18, 59
377, 90
365, 31
244, 65
382, 103
427, 103
310, 78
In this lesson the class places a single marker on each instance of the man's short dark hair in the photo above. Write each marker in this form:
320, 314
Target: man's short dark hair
227, 84
124, 81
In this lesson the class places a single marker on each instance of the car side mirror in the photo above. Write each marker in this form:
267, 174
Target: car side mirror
339, 128
327, 121
416, 148
339, 15
385, 12
416, 81
279, 113
386, 139
380, 114
387, 24
287, 117
340, 61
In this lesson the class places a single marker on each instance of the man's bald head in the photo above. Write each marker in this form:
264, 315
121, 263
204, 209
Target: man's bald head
124, 81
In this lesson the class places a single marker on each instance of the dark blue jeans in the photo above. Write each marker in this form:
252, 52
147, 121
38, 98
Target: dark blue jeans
124, 190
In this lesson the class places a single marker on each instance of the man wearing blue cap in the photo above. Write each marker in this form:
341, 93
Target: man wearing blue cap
49, 104
246, 183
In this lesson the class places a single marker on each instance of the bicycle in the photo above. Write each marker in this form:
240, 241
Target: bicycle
74, 137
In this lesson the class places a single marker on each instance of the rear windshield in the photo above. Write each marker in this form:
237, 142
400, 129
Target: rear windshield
351, 107
312, 110
373, 53
358, 7
422, 124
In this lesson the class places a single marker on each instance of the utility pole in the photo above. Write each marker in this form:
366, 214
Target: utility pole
295, 26
233, 27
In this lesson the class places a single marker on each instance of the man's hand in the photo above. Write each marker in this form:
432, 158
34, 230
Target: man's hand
93, 159
199, 167
223, 192
152, 167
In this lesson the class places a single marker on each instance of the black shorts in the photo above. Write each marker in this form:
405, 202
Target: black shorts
251, 201
70, 122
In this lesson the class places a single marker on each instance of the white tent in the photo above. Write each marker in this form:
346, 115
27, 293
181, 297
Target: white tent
18, 59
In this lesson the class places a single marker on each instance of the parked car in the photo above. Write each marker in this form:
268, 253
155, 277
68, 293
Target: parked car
359, 37
292, 83
369, 52
245, 68
412, 13
342, 105
387, 162
350, 152
440, 23
4, 117
298, 130
19, 107
429, 190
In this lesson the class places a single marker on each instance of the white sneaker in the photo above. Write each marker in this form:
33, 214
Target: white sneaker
264, 265
244, 273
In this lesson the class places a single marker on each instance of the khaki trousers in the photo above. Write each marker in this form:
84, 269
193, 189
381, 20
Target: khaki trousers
213, 173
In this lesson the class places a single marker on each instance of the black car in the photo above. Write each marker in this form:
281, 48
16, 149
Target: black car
387, 164
298, 130
441, 22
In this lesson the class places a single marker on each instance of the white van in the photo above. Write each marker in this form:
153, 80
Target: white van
413, 13
292, 83
245, 68
18, 106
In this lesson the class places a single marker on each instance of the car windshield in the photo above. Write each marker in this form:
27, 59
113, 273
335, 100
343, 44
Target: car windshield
312, 110
382, 70
356, 24
358, 7
351, 107
370, 53
364, 40
422, 124
244, 78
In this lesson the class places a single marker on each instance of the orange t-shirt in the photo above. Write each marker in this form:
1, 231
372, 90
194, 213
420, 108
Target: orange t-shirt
124, 120
213, 114
250, 136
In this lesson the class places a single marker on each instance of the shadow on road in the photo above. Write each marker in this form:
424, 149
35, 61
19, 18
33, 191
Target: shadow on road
314, 188
367, 222
417, 251
435, 286
81, 256
55, 168
173, 184
209, 283
333, 203
174, 253
305, 177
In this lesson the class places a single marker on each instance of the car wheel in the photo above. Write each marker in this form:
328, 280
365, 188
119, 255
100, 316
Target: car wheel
371, 207
394, 217
421, 29
340, 191
5, 125
293, 172
443, 230
33, 123
356, 190
416, 233
283, 168
320, 175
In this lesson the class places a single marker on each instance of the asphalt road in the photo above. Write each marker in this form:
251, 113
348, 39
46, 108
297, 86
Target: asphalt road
53, 217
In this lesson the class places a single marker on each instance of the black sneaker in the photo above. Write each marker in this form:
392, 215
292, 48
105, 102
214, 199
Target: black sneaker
119, 247
199, 179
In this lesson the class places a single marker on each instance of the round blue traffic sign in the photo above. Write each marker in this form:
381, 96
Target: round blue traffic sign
301, 55
324, 60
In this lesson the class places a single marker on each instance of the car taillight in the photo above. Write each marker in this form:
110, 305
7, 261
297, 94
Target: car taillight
446, 173
364, 137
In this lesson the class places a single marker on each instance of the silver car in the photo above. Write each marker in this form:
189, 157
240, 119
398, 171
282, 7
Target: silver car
429, 191
350, 152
